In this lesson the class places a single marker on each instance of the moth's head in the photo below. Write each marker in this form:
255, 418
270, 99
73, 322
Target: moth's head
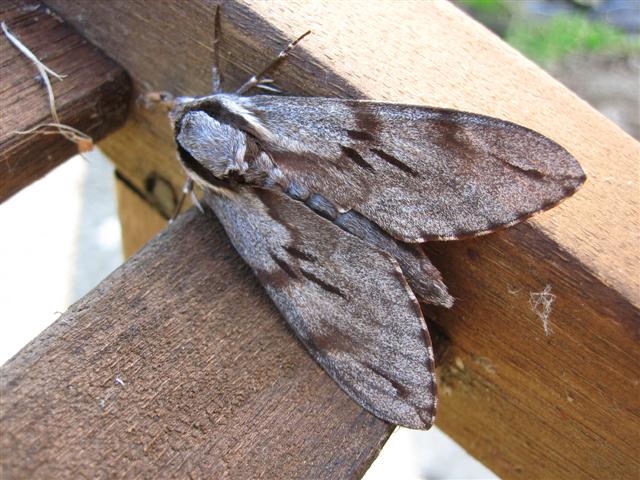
207, 145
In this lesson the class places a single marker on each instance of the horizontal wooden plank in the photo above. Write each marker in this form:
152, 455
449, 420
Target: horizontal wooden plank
526, 403
157, 373
93, 98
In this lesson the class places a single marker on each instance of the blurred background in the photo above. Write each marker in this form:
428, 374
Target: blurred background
71, 238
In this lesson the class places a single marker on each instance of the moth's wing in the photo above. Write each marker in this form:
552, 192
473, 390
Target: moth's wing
419, 173
346, 301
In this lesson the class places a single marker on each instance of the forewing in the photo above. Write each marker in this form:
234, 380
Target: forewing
346, 301
419, 173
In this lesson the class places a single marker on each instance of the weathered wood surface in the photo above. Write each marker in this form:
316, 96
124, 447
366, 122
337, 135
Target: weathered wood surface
139, 220
158, 373
526, 404
94, 96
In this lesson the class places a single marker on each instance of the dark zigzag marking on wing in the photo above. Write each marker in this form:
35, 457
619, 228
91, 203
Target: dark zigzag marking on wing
529, 172
395, 162
322, 284
402, 391
294, 252
360, 135
356, 158
284, 265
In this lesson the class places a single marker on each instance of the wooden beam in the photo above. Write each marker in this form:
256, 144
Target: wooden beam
524, 402
139, 220
157, 373
94, 96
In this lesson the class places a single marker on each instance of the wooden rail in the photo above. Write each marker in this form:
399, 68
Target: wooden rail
93, 98
527, 402
178, 366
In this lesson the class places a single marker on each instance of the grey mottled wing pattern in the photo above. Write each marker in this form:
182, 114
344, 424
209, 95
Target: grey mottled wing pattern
347, 301
419, 173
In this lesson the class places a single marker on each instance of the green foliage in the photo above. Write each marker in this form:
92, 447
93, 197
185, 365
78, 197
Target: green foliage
486, 7
550, 40
562, 35
494, 14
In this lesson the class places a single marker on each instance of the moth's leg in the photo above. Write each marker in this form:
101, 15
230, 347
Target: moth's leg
216, 73
158, 99
257, 79
196, 202
186, 189
265, 84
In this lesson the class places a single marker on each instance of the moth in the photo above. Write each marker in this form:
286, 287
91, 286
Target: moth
328, 201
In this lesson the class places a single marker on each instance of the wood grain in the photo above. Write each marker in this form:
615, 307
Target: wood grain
157, 373
527, 404
94, 96
139, 220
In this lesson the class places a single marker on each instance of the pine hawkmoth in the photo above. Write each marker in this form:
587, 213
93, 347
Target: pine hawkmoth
328, 201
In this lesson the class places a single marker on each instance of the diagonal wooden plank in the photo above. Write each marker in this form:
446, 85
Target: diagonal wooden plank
525, 403
175, 366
